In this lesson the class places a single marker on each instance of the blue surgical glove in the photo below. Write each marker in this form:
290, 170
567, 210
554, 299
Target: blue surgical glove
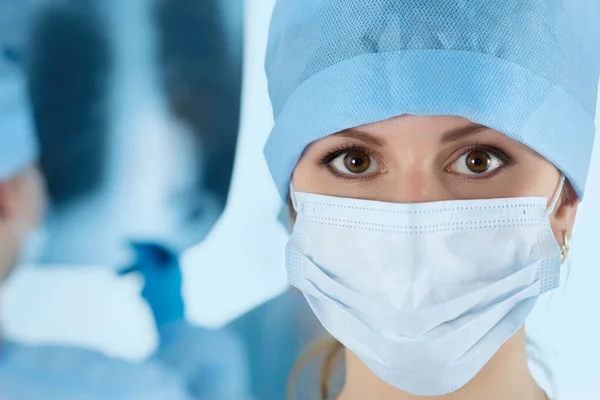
162, 281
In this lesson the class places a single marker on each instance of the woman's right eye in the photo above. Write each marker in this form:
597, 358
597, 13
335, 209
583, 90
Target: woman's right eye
355, 163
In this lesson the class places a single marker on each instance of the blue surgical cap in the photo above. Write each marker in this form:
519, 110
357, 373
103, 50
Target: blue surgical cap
527, 68
18, 144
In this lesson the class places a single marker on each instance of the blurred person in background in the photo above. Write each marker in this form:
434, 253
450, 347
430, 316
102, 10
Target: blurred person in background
251, 357
212, 363
56, 371
51, 372
201, 83
22, 195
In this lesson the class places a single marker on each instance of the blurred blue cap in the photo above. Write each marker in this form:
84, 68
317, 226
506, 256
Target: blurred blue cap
527, 68
18, 142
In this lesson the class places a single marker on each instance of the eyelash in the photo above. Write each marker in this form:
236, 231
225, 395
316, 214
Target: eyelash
328, 158
502, 156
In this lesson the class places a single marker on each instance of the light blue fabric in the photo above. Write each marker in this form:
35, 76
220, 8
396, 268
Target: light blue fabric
276, 334
18, 143
66, 373
212, 363
526, 68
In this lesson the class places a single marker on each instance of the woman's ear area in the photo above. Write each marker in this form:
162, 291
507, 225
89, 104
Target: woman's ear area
563, 218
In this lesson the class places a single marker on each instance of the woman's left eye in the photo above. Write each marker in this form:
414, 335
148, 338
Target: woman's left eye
476, 162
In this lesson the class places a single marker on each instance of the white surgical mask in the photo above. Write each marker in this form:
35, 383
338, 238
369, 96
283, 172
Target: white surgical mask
424, 294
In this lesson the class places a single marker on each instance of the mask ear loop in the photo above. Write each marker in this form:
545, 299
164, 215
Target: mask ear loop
556, 196
564, 248
293, 197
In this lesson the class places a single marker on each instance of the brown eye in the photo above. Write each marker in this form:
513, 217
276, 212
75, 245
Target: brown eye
478, 161
357, 162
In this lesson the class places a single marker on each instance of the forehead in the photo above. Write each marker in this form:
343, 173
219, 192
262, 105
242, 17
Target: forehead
423, 125
409, 130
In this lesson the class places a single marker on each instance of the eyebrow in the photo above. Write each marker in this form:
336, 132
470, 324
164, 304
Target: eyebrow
463, 132
362, 136
450, 136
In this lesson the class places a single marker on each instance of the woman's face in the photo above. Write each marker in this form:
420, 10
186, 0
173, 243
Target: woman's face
410, 159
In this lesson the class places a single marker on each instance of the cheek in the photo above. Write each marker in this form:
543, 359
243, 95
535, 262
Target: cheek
310, 177
534, 178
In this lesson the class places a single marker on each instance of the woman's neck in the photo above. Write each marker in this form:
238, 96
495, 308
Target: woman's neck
505, 376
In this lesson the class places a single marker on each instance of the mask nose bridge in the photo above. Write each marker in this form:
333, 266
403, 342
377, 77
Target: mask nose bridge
415, 186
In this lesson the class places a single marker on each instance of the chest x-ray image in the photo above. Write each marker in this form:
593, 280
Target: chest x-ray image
137, 117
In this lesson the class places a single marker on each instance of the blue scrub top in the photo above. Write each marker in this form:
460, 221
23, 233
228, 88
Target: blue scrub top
212, 363
69, 373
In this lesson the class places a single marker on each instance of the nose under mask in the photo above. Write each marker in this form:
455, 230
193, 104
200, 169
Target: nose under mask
424, 294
